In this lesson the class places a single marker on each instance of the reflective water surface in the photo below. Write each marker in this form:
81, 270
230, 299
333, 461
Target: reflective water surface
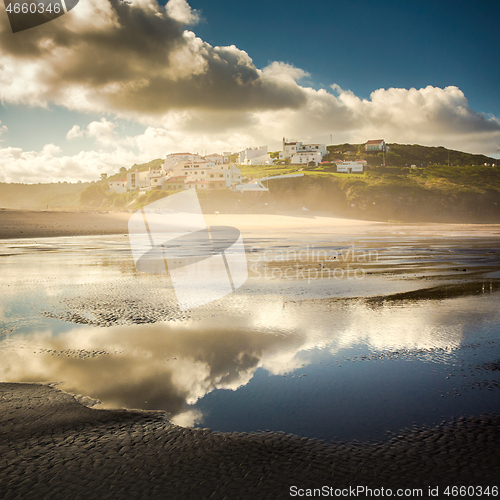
412, 339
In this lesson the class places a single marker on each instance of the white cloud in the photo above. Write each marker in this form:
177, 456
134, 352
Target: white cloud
50, 165
75, 132
283, 71
181, 11
102, 131
3, 128
431, 116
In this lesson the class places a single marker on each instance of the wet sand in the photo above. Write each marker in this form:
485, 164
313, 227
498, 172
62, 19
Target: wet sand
54, 447
48, 224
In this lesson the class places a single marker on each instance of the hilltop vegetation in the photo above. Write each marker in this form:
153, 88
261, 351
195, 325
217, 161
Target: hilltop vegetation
405, 155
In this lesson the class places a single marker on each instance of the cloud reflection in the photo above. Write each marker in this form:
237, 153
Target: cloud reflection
168, 366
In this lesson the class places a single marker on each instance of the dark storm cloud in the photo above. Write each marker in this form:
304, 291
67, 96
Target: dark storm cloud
135, 58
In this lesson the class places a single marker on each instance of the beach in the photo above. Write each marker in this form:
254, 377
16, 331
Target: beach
50, 224
104, 379
54, 447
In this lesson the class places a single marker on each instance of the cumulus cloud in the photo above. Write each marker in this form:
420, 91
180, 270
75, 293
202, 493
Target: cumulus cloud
431, 115
3, 128
136, 59
102, 131
182, 12
50, 165
75, 133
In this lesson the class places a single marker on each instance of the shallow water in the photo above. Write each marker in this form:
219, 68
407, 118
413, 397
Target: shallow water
412, 339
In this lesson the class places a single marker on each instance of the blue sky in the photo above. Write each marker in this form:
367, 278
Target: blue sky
364, 45
108, 84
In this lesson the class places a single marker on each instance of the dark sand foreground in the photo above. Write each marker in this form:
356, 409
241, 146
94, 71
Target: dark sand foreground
51, 446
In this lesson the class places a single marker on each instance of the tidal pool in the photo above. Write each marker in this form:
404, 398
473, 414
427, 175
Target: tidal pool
413, 339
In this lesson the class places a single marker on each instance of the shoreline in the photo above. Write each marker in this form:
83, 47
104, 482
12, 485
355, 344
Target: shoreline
25, 224
51, 445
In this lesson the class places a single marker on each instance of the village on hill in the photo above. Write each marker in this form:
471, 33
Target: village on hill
182, 171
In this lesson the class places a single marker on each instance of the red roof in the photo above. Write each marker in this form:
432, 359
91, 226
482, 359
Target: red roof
378, 141
179, 154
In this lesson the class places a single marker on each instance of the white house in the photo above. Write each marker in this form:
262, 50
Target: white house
304, 157
376, 145
206, 175
348, 167
118, 185
174, 158
217, 158
289, 149
138, 180
254, 156
156, 177
300, 153
174, 184
191, 168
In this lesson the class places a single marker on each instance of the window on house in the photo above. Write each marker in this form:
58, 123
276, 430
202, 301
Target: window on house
221, 175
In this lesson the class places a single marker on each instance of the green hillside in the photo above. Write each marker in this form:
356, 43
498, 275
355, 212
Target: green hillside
401, 155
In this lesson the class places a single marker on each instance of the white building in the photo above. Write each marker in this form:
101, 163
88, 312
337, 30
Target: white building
217, 158
377, 145
138, 180
192, 168
174, 184
206, 175
118, 185
174, 158
304, 157
300, 153
351, 167
254, 156
156, 177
